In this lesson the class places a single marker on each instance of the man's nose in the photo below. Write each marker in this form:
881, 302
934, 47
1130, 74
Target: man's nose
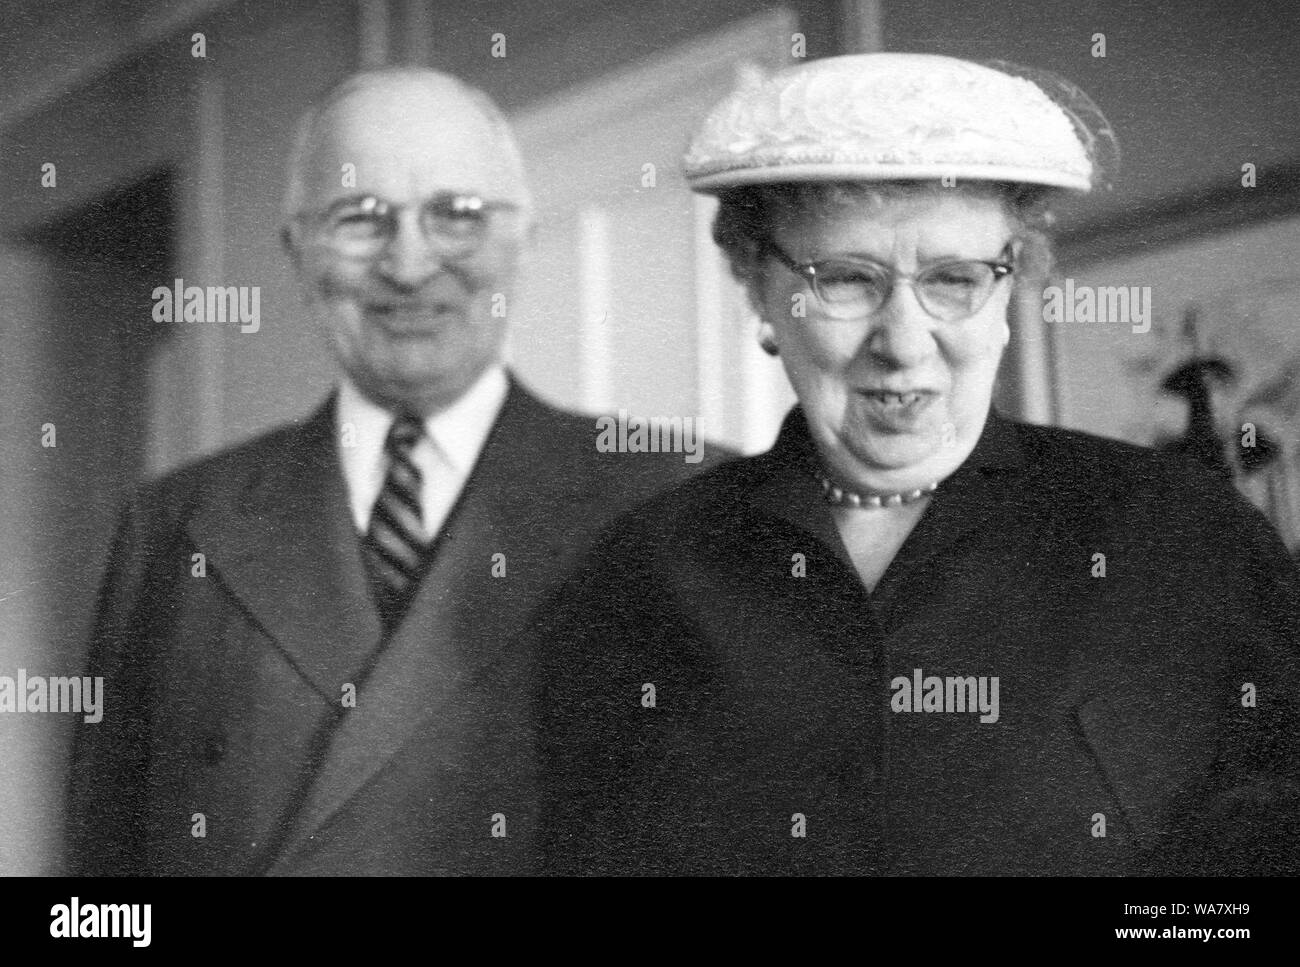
900, 333
410, 259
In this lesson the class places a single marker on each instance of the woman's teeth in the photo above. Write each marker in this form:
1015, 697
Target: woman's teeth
898, 399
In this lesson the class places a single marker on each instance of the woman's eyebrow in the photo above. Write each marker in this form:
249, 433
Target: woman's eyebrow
849, 257
1003, 251
926, 260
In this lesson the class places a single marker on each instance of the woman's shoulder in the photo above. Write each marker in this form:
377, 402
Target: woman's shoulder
1101, 481
1057, 463
1110, 467
704, 508
710, 493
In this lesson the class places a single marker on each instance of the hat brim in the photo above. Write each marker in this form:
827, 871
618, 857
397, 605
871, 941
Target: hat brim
778, 174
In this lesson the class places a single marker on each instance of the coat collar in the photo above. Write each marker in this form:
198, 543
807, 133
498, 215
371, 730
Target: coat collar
786, 486
285, 545
996, 449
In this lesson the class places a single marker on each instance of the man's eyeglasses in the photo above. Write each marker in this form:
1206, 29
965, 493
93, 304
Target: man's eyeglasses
362, 227
948, 291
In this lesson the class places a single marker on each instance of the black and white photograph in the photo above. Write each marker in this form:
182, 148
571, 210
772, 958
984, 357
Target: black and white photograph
566, 441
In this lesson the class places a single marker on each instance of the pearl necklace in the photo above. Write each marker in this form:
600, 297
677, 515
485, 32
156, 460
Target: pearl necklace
839, 497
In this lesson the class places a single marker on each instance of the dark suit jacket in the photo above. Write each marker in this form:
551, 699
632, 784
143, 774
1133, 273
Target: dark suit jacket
1120, 696
224, 692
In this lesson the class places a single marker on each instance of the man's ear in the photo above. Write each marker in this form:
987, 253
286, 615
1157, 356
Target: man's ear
289, 242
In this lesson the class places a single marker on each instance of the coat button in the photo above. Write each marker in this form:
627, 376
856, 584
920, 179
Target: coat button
214, 747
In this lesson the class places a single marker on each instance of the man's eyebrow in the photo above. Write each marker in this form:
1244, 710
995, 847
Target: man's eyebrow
354, 199
442, 195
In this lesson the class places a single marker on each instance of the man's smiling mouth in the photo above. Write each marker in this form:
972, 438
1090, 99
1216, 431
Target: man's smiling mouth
410, 319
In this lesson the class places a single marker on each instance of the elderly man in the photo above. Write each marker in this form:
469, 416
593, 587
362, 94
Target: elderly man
332, 687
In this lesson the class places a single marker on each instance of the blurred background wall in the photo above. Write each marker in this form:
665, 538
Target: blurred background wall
167, 164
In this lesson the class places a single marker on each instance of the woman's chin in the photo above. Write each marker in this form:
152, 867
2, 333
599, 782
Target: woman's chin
893, 464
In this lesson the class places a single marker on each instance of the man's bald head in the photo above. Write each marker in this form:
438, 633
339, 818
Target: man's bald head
399, 126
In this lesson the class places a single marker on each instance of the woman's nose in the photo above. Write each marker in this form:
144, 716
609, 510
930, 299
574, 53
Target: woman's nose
410, 259
900, 329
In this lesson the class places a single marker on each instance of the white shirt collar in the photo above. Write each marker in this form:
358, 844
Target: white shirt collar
455, 438
461, 429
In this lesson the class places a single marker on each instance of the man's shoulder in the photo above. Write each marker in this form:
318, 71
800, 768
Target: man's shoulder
615, 454
227, 474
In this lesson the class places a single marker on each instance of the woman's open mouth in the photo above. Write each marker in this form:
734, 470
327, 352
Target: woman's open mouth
897, 410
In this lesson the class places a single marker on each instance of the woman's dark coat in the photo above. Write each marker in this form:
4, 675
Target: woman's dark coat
719, 697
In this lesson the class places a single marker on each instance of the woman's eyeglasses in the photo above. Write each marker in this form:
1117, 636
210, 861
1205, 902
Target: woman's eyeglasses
364, 226
948, 291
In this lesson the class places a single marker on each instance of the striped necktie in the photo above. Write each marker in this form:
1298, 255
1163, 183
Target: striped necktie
394, 545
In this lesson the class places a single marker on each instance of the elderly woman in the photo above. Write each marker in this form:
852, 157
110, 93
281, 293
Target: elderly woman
916, 637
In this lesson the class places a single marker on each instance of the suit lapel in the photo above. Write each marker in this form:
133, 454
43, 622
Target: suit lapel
288, 551
458, 625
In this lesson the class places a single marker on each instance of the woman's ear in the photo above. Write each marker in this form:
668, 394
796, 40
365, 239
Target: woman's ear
755, 296
1013, 304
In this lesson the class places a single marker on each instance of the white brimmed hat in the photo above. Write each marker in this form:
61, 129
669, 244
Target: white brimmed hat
889, 117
